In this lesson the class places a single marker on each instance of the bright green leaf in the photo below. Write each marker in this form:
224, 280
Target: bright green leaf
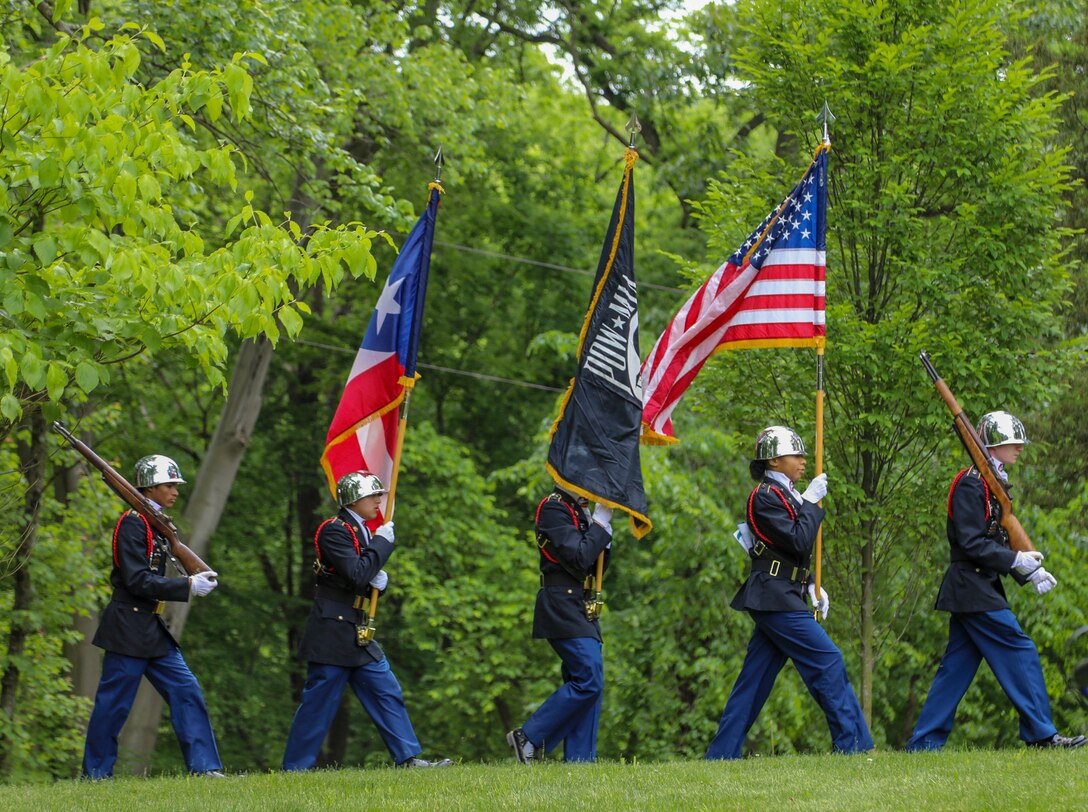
55, 381
291, 321
86, 376
156, 40
46, 248
10, 407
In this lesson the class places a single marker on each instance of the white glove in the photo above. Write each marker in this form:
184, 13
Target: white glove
816, 490
744, 537
380, 581
1043, 581
823, 604
202, 583
386, 532
1027, 563
602, 515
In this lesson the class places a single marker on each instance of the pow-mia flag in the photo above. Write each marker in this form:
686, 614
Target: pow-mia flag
595, 440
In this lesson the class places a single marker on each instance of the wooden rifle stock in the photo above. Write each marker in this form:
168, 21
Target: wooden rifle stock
188, 560
1018, 537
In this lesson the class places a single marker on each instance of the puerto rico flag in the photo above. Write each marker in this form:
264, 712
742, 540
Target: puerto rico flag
363, 434
769, 293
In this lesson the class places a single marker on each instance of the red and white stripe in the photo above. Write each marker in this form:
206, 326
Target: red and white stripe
363, 433
780, 304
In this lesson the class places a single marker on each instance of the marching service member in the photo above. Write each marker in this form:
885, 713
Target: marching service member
780, 534
570, 540
137, 640
349, 563
981, 626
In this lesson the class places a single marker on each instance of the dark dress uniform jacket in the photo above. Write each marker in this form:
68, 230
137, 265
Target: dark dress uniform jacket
329, 637
129, 624
788, 532
568, 555
980, 551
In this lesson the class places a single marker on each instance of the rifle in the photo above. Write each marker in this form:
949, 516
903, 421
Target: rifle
1018, 537
188, 560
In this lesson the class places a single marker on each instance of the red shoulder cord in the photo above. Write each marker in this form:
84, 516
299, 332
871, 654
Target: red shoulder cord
117, 529
956, 481
320, 527
752, 518
573, 517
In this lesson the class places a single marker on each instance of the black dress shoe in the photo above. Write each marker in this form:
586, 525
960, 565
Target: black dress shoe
524, 749
1058, 740
422, 762
211, 774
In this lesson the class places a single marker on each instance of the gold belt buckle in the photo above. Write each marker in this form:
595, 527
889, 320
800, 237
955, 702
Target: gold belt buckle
358, 602
159, 607
775, 566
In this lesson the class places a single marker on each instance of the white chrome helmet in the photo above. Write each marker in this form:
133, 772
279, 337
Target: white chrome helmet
1001, 428
354, 486
778, 441
157, 470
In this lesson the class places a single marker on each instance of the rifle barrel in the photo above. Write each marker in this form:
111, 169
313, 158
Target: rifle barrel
929, 366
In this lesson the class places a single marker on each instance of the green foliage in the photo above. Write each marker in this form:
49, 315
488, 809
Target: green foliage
71, 555
1054, 35
98, 258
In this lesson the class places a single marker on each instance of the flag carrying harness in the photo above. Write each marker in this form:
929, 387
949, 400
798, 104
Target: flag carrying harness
764, 559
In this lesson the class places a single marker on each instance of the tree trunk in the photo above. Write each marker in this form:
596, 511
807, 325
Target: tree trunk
868, 655
32, 459
201, 515
868, 487
85, 658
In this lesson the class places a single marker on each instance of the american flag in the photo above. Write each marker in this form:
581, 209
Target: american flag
769, 293
363, 434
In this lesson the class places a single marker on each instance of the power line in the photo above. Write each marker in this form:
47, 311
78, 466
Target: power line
509, 258
526, 261
436, 368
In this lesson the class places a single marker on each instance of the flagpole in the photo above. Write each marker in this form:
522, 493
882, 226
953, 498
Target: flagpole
818, 553
825, 117
634, 127
390, 502
402, 429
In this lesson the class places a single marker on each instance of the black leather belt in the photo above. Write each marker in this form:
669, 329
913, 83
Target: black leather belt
138, 605
779, 569
562, 579
345, 596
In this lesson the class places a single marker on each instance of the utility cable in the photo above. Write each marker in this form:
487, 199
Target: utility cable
436, 368
538, 263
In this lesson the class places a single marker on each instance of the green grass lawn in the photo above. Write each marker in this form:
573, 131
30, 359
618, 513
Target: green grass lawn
1009, 779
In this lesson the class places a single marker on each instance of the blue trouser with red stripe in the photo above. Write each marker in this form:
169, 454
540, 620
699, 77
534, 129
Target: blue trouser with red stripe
798, 637
571, 714
378, 691
997, 638
172, 678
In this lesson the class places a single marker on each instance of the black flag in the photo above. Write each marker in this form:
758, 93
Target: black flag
595, 439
